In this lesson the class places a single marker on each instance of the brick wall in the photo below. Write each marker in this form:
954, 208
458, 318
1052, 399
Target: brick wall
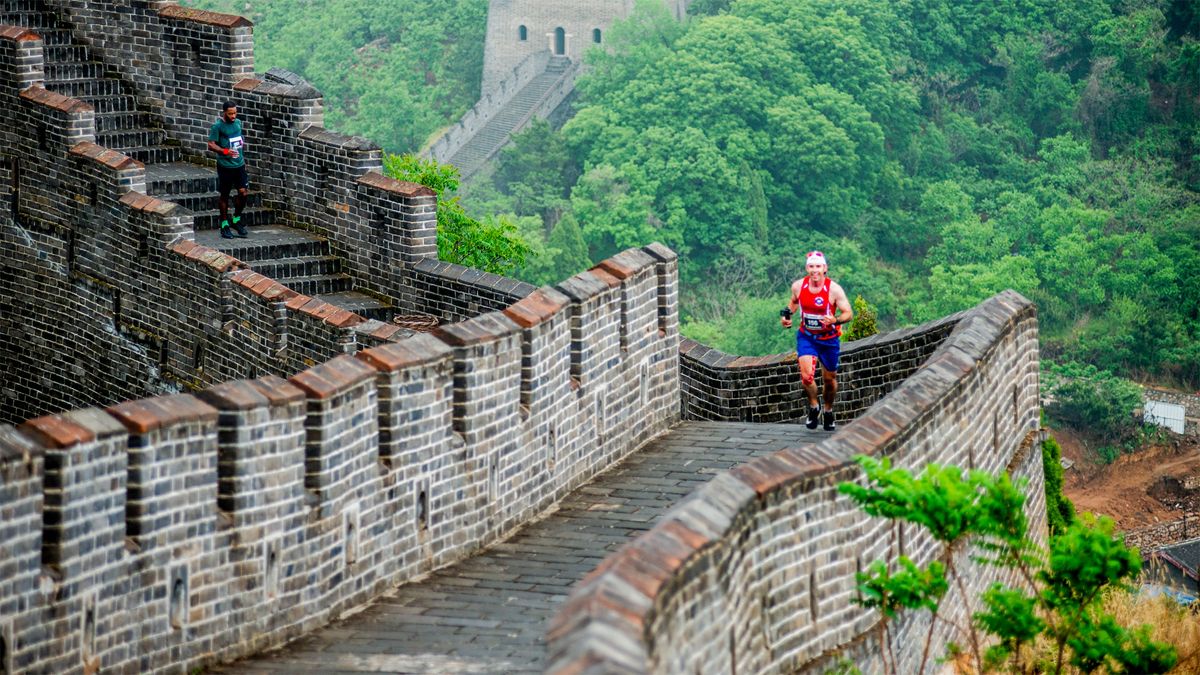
755, 571
192, 528
183, 60
720, 386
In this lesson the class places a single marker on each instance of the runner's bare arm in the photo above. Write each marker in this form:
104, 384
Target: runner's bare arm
793, 303
841, 302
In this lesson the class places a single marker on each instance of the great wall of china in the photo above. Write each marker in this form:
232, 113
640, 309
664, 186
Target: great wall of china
212, 453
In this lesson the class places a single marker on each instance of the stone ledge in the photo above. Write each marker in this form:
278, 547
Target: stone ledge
54, 100
484, 328
57, 431
294, 91
147, 204
537, 307
583, 286
218, 261
269, 391
206, 17
148, 414
333, 377
418, 350
403, 188
18, 34
278, 390
102, 155
626, 263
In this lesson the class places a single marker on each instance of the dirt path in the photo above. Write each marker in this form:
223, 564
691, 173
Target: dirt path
1136, 490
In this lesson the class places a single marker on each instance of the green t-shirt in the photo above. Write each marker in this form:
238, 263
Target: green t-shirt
228, 135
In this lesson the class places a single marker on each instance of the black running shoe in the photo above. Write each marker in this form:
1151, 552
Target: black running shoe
226, 231
241, 229
830, 425
812, 417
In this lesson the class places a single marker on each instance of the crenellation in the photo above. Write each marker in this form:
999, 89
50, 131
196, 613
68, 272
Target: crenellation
180, 529
777, 549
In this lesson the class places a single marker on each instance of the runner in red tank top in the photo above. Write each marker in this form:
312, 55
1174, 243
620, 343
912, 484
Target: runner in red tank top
823, 308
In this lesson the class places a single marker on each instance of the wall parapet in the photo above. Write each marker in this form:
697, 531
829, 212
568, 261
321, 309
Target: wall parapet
754, 571
256, 510
719, 386
489, 104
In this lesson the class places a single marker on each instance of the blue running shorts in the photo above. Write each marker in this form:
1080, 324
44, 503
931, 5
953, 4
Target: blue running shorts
826, 351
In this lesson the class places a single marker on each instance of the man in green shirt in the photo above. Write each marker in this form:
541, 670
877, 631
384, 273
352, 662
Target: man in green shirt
225, 138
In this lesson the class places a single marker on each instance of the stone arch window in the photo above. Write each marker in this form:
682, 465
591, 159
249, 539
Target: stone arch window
560, 41
596, 35
522, 33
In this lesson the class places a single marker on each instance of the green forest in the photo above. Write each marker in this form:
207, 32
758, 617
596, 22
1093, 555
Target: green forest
937, 151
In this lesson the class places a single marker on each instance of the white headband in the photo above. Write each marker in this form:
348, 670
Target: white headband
816, 258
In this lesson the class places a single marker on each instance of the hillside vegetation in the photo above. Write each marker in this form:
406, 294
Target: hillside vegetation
394, 72
937, 151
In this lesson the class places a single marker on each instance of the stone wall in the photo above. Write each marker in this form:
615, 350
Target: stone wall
755, 571
491, 101
504, 50
183, 61
192, 528
720, 386
88, 254
1159, 535
1190, 403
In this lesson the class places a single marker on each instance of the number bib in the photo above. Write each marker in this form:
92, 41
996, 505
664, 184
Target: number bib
812, 322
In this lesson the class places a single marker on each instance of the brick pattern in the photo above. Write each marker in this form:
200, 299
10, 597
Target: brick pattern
330, 183
452, 292
183, 60
21, 470
720, 386
754, 572
257, 510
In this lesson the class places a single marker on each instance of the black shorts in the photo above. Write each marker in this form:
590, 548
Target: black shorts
232, 178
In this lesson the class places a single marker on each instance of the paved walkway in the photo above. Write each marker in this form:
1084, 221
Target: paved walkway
488, 614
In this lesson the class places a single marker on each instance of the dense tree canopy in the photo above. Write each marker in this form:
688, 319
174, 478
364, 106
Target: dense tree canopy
394, 72
938, 151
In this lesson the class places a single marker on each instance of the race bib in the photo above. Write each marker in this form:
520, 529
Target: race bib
235, 144
812, 322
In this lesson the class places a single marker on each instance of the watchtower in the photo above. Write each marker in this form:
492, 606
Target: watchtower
519, 28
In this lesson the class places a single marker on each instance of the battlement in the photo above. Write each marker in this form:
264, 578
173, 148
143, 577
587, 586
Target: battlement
755, 571
259, 509
242, 461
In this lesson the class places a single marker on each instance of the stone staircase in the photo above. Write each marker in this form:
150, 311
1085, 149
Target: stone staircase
72, 70
495, 134
302, 260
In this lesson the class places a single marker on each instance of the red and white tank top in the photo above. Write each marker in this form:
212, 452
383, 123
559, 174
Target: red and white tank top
813, 306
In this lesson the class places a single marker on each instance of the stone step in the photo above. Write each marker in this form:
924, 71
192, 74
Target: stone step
155, 155
126, 120
210, 219
23, 6
27, 18
88, 87
109, 103
267, 243
360, 303
303, 266
316, 285
180, 178
67, 53
120, 139
56, 36
205, 201
66, 71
